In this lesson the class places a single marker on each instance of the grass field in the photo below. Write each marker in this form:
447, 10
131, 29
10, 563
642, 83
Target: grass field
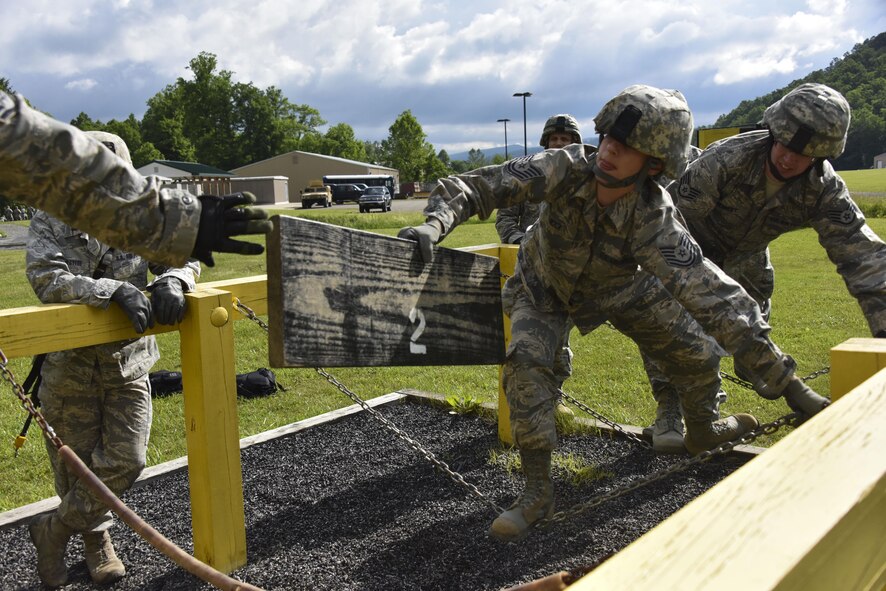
865, 181
812, 313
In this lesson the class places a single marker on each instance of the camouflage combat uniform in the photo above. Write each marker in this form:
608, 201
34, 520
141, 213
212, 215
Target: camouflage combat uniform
97, 398
722, 197
586, 263
512, 222
58, 169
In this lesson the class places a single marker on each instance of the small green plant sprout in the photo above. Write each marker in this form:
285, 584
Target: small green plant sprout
507, 459
462, 405
576, 470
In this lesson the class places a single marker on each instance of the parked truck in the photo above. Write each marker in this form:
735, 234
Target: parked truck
316, 193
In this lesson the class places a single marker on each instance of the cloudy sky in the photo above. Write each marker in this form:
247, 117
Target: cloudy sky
455, 64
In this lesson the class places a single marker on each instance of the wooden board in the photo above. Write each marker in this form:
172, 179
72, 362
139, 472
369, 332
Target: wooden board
339, 297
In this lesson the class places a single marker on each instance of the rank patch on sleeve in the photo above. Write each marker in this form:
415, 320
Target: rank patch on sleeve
523, 169
685, 254
685, 191
844, 217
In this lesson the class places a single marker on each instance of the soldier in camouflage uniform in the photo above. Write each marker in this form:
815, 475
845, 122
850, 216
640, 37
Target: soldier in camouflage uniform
60, 170
605, 220
512, 223
98, 398
747, 190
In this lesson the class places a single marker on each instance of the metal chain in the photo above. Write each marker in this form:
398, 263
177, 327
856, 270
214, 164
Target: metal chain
722, 449
412, 443
26, 402
615, 426
749, 386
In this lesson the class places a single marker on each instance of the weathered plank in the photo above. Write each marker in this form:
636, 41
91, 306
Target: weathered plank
339, 297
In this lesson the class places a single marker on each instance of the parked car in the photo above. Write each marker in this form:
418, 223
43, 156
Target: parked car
346, 192
316, 193
375, 198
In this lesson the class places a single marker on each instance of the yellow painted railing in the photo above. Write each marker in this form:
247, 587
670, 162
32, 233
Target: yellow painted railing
210, 394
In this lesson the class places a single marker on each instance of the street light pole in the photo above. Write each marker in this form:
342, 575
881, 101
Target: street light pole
524, 95
505, 121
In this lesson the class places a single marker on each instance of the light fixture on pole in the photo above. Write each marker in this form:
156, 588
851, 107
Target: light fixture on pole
524, 95
505, 121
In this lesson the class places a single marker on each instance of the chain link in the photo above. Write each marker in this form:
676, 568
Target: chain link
26, 402
388, 424
612, 424
749, 386
722, 449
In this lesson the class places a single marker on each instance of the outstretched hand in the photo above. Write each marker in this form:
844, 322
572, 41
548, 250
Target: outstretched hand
427, 235
221, 218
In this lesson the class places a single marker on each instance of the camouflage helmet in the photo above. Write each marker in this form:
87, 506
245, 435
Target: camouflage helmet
560, 124
651, 120
812, 120
112, 142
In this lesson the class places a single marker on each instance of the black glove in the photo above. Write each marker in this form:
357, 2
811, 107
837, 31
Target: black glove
221, 218
168, 301
517, 239
136, 306
880, 334
427, 235
801, 398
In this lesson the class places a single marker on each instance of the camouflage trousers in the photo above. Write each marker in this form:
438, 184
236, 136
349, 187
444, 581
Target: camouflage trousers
754, 272
651, 318
108, 427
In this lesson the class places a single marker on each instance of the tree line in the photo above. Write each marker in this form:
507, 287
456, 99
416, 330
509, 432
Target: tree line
211, 119
860, 75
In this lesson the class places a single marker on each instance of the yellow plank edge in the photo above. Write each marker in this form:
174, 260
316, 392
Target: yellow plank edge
211, 424
808, 514
854, 361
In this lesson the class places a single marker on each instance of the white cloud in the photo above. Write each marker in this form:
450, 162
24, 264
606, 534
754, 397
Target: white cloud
82, 84
454, 63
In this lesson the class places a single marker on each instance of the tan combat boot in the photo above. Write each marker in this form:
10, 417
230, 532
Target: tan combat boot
50, 537
101, 560
535, 503
667, 430
704, 436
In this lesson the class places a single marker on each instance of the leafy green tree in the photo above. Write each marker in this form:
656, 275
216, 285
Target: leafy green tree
145, 153
476, 158
374, 152
407, 149
6, 85
84, 122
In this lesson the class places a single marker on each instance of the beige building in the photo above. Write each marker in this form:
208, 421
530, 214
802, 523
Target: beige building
303, 167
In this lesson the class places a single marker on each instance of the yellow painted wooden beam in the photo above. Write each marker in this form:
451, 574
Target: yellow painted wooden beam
808, 514
854, 361
507, 262
210, 397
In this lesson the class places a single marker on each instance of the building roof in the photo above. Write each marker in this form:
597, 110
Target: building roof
336, 158
194, 168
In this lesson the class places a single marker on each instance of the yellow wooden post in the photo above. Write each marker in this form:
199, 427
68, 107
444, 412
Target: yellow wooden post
507, 261
210, 396
853, 362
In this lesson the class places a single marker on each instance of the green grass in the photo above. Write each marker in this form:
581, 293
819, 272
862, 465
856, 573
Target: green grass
812, 313
865, 181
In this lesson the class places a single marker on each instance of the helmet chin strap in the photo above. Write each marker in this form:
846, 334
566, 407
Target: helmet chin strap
610, 182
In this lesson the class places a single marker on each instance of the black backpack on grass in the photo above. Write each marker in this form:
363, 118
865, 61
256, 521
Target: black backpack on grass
261, 382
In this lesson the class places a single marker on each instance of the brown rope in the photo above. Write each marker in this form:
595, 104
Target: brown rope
148, 533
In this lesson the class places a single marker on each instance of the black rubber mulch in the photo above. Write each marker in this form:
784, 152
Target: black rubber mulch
348, 505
